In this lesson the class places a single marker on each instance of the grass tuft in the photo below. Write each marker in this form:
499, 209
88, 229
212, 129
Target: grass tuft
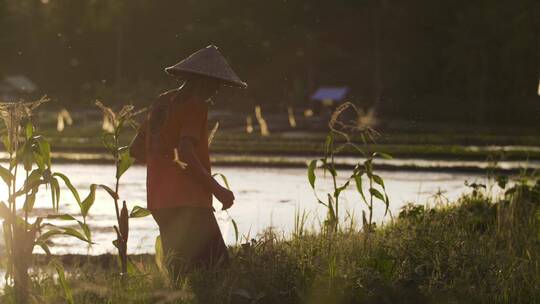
466, 251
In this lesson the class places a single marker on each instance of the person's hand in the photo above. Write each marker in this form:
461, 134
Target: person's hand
225, 196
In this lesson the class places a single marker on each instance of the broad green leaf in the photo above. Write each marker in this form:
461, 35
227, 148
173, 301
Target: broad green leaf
29, 130
6, 175
386, 203
111, 192
368, 165
62, 217
338, 191
358, 182
89, 200
38, 159
378, 180
75, 233
125, 161
66, 230
139, 212
29, 202
55, 193
329, 166
44, 237
45, 151
33, 181
6, 142
27, 156
44, 246
87, 203
311, 173
377, 194
86, 231
70, 186
109, 142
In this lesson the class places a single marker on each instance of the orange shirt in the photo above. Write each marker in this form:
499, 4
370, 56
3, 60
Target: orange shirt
167, 183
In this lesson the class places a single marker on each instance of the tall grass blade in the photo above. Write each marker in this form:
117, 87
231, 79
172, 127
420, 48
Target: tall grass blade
65, 287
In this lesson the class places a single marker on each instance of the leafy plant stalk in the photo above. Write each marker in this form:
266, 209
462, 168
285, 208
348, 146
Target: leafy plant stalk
123, 161
33, 153
346, 131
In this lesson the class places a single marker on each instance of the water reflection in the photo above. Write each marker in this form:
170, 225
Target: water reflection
265, 197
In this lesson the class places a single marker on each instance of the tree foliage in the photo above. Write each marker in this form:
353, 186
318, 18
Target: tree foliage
471, 60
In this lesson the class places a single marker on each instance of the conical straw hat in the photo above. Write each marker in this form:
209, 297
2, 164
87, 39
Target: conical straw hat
207, 62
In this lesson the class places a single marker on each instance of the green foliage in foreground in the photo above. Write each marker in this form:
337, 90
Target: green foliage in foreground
478, 249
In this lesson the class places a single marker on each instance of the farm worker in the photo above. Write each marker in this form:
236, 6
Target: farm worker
173, 143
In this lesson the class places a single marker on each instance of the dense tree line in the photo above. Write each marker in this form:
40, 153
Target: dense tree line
460, 60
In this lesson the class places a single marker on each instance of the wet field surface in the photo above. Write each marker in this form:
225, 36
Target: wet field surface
265, 197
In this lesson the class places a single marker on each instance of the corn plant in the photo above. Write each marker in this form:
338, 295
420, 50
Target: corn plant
123, 161
31, 151
362, 170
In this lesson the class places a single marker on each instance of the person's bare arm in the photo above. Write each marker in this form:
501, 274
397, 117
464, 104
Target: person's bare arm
196, 169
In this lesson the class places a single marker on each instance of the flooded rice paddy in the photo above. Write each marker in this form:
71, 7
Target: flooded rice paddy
265, 197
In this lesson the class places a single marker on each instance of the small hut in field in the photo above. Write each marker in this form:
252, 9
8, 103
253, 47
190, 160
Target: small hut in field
326, 99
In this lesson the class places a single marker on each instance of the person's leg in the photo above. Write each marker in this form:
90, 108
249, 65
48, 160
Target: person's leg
190, 236
211, 249
186, 237
166, 220
216, 252
162, 220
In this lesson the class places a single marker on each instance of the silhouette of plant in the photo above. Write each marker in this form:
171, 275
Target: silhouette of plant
123, 161
33, 152
346, 131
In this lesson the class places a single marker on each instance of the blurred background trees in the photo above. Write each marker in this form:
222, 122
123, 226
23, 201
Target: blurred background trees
416, 60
